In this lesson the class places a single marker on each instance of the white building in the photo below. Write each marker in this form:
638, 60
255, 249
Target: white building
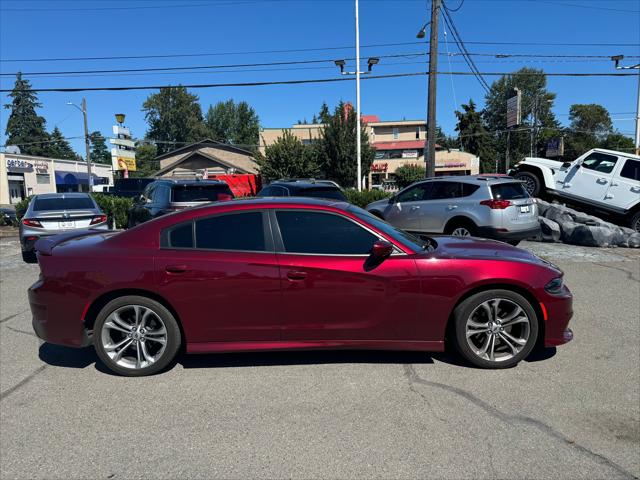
25, 175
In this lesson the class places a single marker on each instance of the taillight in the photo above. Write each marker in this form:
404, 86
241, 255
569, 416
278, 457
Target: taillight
98, 219
224, 197
31, 223
496, 204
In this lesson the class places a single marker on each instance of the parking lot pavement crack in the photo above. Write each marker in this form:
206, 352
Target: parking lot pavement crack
31, 334
627, 272
22, 382
414, 378
6, 319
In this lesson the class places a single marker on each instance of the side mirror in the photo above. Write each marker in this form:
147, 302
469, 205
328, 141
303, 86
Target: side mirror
381, 250
566, 164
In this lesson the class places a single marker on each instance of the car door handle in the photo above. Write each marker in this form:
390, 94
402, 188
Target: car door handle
176, 268
296, 275
415, 207
635, 189
614, 184
452, 207
602, 181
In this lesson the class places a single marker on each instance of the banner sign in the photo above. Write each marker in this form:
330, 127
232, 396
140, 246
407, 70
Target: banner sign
555, 147
514, 110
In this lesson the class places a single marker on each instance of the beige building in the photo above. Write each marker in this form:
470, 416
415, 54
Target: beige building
25, 175
398, 142
206, 157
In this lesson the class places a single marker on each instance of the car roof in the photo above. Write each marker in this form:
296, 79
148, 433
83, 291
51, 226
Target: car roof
304, 183
273, 201
481, 179
62, 195
172, 181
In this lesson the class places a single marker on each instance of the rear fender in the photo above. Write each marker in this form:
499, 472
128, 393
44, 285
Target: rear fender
45, 245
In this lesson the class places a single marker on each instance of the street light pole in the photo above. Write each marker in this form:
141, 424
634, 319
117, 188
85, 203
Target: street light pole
87, 141
358, 123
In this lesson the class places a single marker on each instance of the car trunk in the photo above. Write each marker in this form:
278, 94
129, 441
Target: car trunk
64, 219
521, 211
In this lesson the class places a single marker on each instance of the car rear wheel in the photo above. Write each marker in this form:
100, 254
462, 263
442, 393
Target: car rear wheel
531, 182
461, 229
495, 329
634, 223
136, 336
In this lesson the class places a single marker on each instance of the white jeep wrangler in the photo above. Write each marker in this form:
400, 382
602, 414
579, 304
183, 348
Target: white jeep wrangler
600, 180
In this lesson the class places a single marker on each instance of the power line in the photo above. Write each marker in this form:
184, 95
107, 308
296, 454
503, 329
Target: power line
298, 50
309, 81
499, 56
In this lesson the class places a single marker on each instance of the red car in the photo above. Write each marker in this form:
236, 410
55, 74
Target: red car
291, 273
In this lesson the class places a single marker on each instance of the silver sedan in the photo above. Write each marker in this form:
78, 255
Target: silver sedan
54, 213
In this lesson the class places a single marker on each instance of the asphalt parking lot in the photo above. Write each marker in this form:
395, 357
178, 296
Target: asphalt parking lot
570, 413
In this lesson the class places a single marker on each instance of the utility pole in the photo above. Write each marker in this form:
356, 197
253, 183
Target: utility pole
430, 147
617, 59
87, 141
358, 127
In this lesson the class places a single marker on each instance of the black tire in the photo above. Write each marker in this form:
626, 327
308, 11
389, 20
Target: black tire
173, 336
634, 222
531, 182
29, 257
468, 225
465, 309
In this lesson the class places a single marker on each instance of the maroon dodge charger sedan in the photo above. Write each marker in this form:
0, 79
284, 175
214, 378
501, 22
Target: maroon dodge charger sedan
291, 273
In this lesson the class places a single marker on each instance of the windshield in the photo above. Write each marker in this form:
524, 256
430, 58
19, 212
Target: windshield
63, 203
416, 243
198, 193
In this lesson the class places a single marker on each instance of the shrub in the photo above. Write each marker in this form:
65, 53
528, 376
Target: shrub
365, 197
115, 208
21, 207
408, 174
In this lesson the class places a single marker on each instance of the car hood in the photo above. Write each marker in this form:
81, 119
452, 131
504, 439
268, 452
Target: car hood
484, 249
545, 162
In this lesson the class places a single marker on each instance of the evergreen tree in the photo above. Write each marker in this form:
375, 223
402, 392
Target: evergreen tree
288, 157
590, 124
336, 147
237, 124
25, 128
174, 116
146, 165
99, 151
59, 147
474, 137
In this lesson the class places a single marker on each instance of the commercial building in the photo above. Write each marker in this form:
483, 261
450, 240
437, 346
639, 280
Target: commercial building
206, 158
397, 143
25, 175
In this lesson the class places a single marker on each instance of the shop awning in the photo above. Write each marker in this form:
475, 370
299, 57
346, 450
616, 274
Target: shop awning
75, 178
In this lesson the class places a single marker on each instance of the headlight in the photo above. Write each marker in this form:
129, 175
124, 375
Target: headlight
555, 286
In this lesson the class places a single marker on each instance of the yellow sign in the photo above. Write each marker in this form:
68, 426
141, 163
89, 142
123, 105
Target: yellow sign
126, 164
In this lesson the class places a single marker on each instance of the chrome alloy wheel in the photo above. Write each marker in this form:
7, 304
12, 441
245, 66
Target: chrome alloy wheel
529, 184
461, 232
134, 336
497, 329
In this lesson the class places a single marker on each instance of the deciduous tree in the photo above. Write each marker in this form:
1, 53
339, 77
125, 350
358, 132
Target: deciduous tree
235, 123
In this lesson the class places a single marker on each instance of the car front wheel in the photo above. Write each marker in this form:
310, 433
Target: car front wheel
634, 223
136, 336
530, 181
495, 329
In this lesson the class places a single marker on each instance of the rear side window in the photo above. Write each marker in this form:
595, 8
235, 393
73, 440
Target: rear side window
238, 231
444, 190
631, 169
508, 191
200, 193
330, 193
59, 203
323, 234
181, 236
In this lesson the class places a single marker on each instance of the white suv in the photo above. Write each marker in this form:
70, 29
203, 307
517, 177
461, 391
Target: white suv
600, 180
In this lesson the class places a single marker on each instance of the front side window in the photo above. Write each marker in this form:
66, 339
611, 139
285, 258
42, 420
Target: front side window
631, 169
237, 231
600, 162
323, 234
415, 193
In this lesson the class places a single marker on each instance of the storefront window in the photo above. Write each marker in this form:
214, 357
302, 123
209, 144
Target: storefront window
43, 178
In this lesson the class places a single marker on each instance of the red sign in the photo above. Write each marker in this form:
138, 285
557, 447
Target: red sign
379, 167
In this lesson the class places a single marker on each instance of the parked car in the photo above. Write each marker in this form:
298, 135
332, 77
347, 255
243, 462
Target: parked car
303, 187
291, 273
8, 216
600, 180
487, 206
128, 187
53, 213
165, 196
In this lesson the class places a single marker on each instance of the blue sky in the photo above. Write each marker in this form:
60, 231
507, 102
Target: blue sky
48, 28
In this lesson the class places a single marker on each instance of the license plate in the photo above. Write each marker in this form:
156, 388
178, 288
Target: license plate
67, 224
525, 209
